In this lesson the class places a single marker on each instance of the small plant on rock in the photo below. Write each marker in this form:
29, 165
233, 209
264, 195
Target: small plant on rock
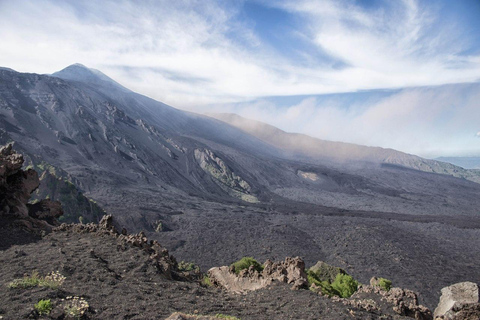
43, 307
245, 263
385, 284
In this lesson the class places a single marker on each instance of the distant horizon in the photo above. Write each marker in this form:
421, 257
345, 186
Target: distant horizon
363, 72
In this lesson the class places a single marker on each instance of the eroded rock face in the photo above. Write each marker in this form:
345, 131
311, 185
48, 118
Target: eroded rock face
291, 271
459, 301
16, 186
224, 176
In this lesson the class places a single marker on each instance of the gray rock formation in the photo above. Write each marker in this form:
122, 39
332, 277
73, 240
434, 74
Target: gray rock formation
402, 302
291, 271
459, 301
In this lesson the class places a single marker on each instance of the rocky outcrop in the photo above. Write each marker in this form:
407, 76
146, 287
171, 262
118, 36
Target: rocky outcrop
402, 302
459, 301
291, 271
224, 176
16, 186
159, 255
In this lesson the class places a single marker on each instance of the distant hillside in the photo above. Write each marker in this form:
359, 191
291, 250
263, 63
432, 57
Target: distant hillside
464, 162
317, 149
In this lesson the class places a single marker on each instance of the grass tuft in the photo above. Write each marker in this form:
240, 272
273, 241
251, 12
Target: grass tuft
53, 281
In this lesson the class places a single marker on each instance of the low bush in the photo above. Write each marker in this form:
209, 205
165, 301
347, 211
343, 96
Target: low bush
325, 286
385, 284
345, 285
245, 263
43, 307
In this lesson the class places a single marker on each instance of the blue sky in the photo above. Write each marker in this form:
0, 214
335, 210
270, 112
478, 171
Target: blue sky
263, 58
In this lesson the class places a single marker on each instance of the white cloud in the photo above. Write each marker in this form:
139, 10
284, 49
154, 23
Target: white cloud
183, 52
478, 134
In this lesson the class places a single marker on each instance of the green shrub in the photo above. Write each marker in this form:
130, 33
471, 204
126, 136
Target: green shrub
206, 281
43, 307
325, 286
345, 285
385, 284
245, 263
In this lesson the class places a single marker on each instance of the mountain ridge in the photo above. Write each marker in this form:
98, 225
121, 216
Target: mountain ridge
176, 175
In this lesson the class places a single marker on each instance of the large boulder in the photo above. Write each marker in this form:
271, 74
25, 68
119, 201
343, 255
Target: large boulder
459, 301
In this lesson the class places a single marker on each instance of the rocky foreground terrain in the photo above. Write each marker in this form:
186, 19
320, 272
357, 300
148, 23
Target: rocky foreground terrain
100, 271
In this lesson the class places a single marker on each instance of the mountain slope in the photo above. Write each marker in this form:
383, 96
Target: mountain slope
317, 149
219, 193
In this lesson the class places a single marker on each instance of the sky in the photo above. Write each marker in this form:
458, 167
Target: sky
384, 73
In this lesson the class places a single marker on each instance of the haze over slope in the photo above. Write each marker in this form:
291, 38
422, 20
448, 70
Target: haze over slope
317, 150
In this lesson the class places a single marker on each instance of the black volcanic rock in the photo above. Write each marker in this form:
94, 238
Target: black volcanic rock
127, 276
16, 186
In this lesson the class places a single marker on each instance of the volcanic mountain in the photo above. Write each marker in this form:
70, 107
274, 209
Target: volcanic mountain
214, 190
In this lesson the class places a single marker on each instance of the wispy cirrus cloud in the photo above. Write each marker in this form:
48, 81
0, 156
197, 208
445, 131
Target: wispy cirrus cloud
162, 48
210, 55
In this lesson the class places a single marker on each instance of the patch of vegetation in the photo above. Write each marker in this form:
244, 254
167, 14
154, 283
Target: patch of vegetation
245, 263
43, 306
325, 286
53, 281
188, 266
385, 284
224, 316
345, 285
75, 307
325, 272
206, 281
159, 226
